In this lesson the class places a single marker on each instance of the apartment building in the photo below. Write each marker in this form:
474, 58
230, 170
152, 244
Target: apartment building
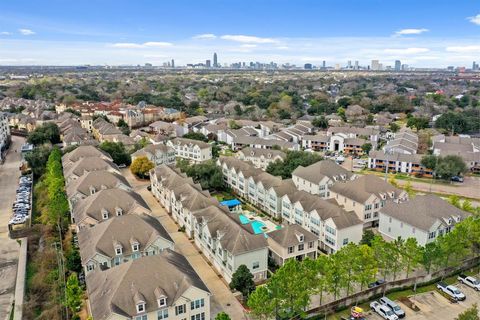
404, 142
260, 158
116, 241
424, 218
162, 286
106, 204
83, 152
366, 196
398, 162
157, 153
291, 242
193, 150
101, 129
4, 134
318, 177
228, 244
464, 146
86, 165
333, 225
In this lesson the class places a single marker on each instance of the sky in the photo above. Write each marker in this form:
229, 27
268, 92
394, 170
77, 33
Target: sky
420, 33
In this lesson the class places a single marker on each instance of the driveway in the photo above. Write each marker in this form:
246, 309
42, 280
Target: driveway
222, 297
9, 249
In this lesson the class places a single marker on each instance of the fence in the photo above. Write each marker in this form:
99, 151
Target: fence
396, 285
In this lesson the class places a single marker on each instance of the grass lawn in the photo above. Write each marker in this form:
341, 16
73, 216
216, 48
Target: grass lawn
223, 195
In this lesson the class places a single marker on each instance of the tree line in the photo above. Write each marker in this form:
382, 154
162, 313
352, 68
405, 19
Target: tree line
289, 291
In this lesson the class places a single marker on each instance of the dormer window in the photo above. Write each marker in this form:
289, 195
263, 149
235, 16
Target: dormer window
162, 302
104, 214
141, 307
118, 211
301, 238
135, 247
118, 250
92, 190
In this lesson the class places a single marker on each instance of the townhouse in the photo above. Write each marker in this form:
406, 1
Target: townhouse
404, 142
162, 286
119, 240
318, 177
294, 133
101, 129
228, 244
92, 182
88, 164
464, 146
291, 242
83, 152
366, 196
424, 218
193, 150
398, 162
333, 225
260, 158
107, 204
240, 142
157, 153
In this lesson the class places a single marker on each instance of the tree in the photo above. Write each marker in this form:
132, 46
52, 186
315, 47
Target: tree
394, 127
449, 166
234, 125
365, 266
207, 173
261, 303
409, 189
196, 136
366, 147
222, 316
117, 151
123, 126
430, 256
102, 116
367, 237
469, 314
37, 159
429, 161
418, 122
49, 132
285, 167
242, 280
341, 113
73, 293
141, 167
411, 254
320, 122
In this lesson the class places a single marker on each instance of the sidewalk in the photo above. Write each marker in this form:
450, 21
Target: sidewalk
222, 297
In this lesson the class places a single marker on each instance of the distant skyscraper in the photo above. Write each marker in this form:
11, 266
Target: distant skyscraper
398, 65
324, 64
375, 65
349, 64
308, 66
173, 63
208, 64
356, 65
474, 66
215, 60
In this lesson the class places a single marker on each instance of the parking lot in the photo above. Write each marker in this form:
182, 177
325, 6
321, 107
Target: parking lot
435, 306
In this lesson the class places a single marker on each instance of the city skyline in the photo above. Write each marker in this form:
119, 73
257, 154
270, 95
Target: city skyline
122, 33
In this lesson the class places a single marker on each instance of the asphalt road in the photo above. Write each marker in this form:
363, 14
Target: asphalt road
9, 249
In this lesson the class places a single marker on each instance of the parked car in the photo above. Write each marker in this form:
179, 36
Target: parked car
383, 311
393, 306
451, 291
377, 283
457, 179
469, 281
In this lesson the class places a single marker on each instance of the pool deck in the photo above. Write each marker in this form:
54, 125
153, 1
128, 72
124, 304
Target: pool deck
269, 224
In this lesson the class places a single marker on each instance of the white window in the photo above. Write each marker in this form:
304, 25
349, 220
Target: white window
104, 214
301, 238
118, 250
181, 309
310, 245
135, 247
90, 267
118, 211
162, 314
290, 249
255, 265
142, 317
140, 307
345, 241
199, 303
300, 247
162, 302
432, 235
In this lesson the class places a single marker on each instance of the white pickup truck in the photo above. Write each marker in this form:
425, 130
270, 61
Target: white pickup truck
451, 291
469, 281
383, 311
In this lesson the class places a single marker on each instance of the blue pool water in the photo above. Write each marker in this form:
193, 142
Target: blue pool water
256, 225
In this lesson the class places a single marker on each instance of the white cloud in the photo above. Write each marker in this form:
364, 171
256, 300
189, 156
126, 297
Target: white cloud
475, 19
248, 45
157, 44
282, 48
26, 32
410, 31
151, 44
247, 39
205, 36
406, 50
5, 33
464, 49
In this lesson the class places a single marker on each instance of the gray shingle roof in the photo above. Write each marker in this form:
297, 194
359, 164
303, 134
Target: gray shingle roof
114, 290
288, 235
423, 211
98, 180
326, 168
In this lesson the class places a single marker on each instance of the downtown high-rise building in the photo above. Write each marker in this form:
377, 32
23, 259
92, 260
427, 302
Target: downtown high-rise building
215, 60
375, 66
173, 63
356, 65
398, 65
475, 66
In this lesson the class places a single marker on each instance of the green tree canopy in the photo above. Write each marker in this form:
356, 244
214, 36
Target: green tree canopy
207, 173
320, 122
469, 314
285, 167
49, 132
37, 159
366, 147
117, 151
222, 316
196, 136
73, 293
242, 280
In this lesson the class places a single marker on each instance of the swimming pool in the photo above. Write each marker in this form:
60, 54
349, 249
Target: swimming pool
257, 226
